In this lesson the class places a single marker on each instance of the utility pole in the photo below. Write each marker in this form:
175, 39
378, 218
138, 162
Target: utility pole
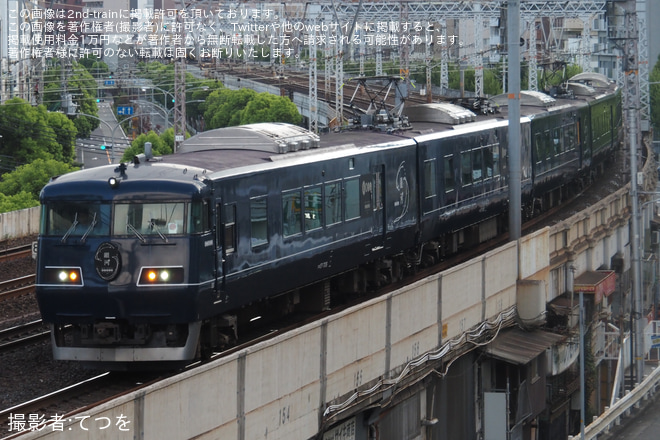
180, 80
513, 52
632, 126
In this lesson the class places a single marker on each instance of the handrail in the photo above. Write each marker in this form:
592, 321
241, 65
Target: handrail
612, 416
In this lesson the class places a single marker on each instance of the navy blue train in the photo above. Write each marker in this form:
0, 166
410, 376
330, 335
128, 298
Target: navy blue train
163, 259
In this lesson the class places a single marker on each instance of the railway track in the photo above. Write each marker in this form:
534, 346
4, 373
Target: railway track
14, 253
17, 287
24, 334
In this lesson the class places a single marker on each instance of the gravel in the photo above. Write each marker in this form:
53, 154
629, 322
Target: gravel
29, 372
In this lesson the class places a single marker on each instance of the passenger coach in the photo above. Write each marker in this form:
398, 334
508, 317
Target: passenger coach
162, 260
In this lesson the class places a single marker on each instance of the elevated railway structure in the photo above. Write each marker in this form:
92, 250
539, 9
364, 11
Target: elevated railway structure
443, 356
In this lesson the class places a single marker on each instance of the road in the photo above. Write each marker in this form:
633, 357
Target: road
89, 151
644, 426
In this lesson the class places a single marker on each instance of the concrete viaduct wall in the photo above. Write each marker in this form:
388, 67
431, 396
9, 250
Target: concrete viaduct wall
21, 223
297, 384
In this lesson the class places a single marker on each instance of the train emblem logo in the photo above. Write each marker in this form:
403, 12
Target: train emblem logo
107, 261
404, 192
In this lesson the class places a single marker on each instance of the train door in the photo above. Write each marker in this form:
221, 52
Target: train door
585, 141
379, 217
449, 179
372, 200
225, 241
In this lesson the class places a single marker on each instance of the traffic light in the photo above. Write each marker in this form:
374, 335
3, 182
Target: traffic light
103, 147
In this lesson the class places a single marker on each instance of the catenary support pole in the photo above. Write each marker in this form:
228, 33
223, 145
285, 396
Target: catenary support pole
513, 51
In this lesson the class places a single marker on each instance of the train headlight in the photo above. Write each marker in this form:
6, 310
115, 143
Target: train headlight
113, 182
160, 275
62, 276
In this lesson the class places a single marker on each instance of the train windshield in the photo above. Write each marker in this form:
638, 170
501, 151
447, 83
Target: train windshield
75, 219
140, 219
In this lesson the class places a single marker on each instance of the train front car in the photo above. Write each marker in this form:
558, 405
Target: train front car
125, 264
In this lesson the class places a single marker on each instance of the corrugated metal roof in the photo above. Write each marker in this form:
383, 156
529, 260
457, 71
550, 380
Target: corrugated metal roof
590, 279
520, 347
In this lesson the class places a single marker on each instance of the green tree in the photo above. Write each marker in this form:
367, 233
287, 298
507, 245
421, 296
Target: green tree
492, 83
168, 137
22, 200
97, 68
227, 108
197, 95
26, 133
32, 177
82, 87
223, 107
265, 107
65, 135
158, 146
558, 76
654, 77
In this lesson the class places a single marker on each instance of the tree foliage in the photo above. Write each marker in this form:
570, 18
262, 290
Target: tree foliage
30, 179
82, 87
65, 136
223, 107
227, 108
97, 68
159, 146
654, 77
555, 77
27, 134
265, 107
22, 200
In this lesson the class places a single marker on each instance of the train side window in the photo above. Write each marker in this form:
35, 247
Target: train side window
229, 240
332, 204
199, 217
477, 166
352, 200
538, 146
313, 208
547, 145
466, 168
449, 173
557, 141
291, 213
429, 179
569, 137
495, 154
259, 221
488, 162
